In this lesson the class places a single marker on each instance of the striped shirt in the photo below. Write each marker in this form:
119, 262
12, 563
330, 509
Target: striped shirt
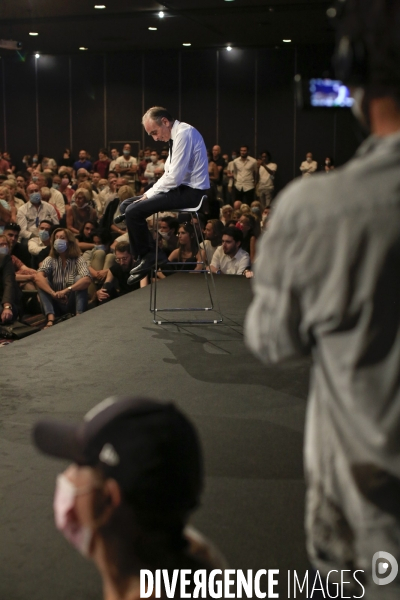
60, 277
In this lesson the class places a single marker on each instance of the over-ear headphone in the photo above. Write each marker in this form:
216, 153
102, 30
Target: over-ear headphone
350, 59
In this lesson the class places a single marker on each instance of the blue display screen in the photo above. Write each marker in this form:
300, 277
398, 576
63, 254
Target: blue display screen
330, 93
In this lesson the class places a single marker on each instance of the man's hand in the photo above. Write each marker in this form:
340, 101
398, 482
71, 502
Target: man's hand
144, 197
102, 295
6, 315
101, 275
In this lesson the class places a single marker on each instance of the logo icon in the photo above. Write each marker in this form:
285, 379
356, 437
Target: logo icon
384, 563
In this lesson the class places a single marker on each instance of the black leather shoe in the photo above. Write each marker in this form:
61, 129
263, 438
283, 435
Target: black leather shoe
144, 264
132, 279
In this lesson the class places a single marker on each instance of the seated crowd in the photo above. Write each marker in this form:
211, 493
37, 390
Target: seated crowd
58, 236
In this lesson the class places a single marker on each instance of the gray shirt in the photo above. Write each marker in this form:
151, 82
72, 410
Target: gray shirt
327, 281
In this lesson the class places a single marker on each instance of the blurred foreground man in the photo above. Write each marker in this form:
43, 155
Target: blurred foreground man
327, 282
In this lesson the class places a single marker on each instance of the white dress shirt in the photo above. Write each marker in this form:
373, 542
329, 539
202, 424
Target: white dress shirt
230, 265
189, 164
307, 168
29, 217
244, 173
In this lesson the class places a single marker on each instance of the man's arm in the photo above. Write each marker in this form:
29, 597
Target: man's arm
243, 264
215, 262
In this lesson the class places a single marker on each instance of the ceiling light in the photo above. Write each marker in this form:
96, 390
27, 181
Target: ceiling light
228, 0
186, 44
161, 14
37, 55
33, 33
331, 12
153, 28
100, 6
229, 48
286, 41
83, 48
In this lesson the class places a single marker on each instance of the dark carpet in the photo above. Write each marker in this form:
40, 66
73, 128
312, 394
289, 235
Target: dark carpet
250, 419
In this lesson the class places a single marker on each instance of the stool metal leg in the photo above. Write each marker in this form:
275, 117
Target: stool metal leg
207, 274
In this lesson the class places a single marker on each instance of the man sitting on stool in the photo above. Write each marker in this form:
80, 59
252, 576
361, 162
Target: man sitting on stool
183, 184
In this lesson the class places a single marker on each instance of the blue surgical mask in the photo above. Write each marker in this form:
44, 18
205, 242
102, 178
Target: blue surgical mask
56, 186
60, 245
100, 247
44, 235
126, 152
3, 250
34, 198
34, 160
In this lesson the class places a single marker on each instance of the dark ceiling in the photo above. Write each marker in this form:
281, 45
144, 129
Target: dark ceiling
65, 25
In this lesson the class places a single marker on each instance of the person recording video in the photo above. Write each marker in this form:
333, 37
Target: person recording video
327, 282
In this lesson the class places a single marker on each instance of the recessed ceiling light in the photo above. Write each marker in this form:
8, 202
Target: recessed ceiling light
33, 33
37, 55
161, 14
287, 41
229, 48
228, 0
153, 28
331, 12
99, 6
186, 44
83, 48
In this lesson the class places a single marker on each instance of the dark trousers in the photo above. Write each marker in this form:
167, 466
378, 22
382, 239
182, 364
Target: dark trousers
247, 197
137, 212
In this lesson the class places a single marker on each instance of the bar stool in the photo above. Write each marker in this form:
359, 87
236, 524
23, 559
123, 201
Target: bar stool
212, 292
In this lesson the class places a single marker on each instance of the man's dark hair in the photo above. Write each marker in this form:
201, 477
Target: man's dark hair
234, 233
46, 221
123, 247
104, 151
267, 153
156, 113
244, 146
12, 227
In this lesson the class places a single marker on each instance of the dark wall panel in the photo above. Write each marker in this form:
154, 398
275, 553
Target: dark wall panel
236, 98
3, 137
124, 97
275, 109
348, 136
87, 103
199, 92
21, 106
53, 95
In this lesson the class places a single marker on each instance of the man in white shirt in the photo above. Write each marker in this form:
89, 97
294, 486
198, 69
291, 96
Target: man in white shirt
245, 170
266, 177
229, 258
56, 197
154, 169
183, 184
126, 165
34, 212
308, 166
114, 156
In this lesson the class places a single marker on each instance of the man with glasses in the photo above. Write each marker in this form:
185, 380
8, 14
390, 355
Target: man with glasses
117, 277
33, 212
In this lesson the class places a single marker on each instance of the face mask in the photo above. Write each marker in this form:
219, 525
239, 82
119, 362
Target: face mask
60, 245
126, 153
34, 178
34, 160
44, 235
233, 156
64, 499
309, 159
164, 235
3, 250
34, 198
56, 186
153, 159
239, 225
65, 181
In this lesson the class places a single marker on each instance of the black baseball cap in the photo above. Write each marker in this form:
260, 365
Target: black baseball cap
150, 448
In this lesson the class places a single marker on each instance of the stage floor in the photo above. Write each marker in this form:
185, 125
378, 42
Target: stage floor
250, 419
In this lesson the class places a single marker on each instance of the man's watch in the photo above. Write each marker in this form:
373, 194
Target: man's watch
69, 288
7, 307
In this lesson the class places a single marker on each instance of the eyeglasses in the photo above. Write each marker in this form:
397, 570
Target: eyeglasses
123, 259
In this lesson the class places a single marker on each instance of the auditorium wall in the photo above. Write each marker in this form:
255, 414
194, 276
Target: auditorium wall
241, 97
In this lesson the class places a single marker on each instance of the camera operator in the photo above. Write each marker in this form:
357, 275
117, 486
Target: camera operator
327, 282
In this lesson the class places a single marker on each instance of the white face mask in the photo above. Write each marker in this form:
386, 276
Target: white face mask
78, 535
154, 159
309, 159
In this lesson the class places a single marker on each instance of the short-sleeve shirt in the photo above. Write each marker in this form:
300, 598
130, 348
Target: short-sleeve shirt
61, 278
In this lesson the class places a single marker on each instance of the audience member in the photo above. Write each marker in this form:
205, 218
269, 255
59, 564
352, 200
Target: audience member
33, 212
154, 169
125, 502
329, 164
115, 284
5, 197
112, 211
63, 278
168, 228
8, 301
213, 237
187, 252
82, 163
39, 247
230, 259
114, 156
245, 175
80, 212
65, 186
66, 160
85, 236
102, 165
308, 166
14, 200
247, 225
266, 178
126, 165
24, 276
12, 231
226, 213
